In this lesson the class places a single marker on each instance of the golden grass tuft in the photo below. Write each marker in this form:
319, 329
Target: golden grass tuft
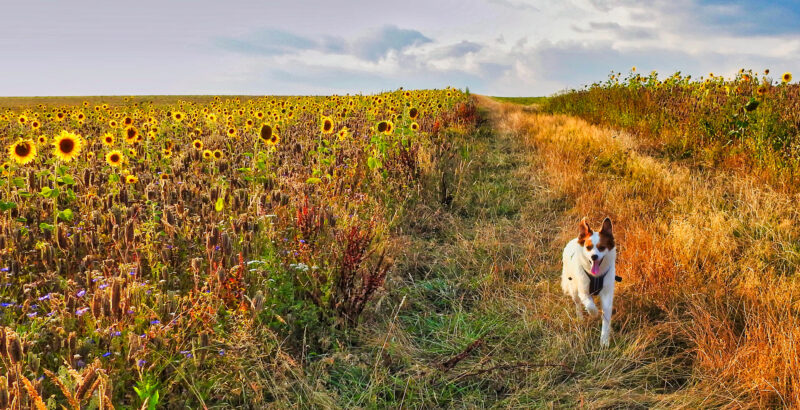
709, 256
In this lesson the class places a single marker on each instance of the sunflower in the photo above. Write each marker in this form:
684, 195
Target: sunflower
60, 116
389, 128
131, 179
231, 132
178, 116
197, 144
114, 158
41, 139
382, 126
265, 133
23, 151
108, 139
166, 153
274, 139
787, 77
343, 133
413, 113
131, 152
761, 90
5, 168
207, 154
415, 126
113, 123
327, 125
217, 154
211, 118
35, 124
67, 145
131, 135
22, 120
164, 177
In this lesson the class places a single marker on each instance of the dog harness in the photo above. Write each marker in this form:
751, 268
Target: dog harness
596, 282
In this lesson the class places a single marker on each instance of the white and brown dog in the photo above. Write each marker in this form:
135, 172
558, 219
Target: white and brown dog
589, 271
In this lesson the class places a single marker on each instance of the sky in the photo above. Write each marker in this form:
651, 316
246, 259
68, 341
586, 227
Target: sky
494, 47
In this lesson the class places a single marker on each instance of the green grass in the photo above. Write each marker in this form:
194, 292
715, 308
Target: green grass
523, 100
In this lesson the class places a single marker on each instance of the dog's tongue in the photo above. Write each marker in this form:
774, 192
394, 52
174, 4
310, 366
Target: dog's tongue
595, 267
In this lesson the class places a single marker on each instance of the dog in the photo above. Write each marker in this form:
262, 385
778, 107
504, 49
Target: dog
589, 270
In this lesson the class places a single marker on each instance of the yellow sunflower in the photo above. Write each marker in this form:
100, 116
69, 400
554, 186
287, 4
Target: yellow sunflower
197, 144
131, 179
41, 139
23, 151
207, 154
178, 116
415, 126
413, 113
108, 139
343, 133
67, 145
131, 135
217, 154
114, 158
787, 77
327, 125
265, 133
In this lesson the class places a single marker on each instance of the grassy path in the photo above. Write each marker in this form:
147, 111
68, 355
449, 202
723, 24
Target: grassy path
475, 316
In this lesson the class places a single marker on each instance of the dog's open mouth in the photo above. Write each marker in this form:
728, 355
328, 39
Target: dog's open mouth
596, 267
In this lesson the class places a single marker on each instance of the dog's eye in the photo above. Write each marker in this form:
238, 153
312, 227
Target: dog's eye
601, 248
588, 248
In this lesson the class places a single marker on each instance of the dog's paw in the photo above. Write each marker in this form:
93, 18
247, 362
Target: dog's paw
593, 312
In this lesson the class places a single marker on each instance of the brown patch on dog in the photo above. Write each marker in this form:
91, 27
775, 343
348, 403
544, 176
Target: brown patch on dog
607, 235
583, 231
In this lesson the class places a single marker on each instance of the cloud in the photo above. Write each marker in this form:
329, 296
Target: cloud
517, 5
379, 43
267, 42
371, 46
618, 31
458, 50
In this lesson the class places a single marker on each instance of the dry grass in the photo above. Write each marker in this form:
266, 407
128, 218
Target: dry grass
709, 260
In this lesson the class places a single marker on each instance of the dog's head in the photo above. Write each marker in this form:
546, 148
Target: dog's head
596, 245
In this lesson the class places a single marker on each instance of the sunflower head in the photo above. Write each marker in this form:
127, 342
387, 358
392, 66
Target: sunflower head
343, 133
265, 133
217, 154
197, 144
207, 154
786, 77
413, 113
131, 135
131, 179
415, 126
67, 145
327, 125
108, 139
114, 158
41, 139
23, 151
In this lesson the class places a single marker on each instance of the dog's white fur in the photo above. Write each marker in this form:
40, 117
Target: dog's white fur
577, 260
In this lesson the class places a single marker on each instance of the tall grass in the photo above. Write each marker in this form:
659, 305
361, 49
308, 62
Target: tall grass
749, 122
709, 262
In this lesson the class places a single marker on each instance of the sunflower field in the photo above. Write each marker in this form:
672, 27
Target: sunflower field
750, 122
150, 250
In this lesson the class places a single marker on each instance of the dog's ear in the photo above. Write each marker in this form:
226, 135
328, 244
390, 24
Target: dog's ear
607, 228
584, 231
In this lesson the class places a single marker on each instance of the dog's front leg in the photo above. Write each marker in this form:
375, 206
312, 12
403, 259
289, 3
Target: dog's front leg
606, 301
588, 303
